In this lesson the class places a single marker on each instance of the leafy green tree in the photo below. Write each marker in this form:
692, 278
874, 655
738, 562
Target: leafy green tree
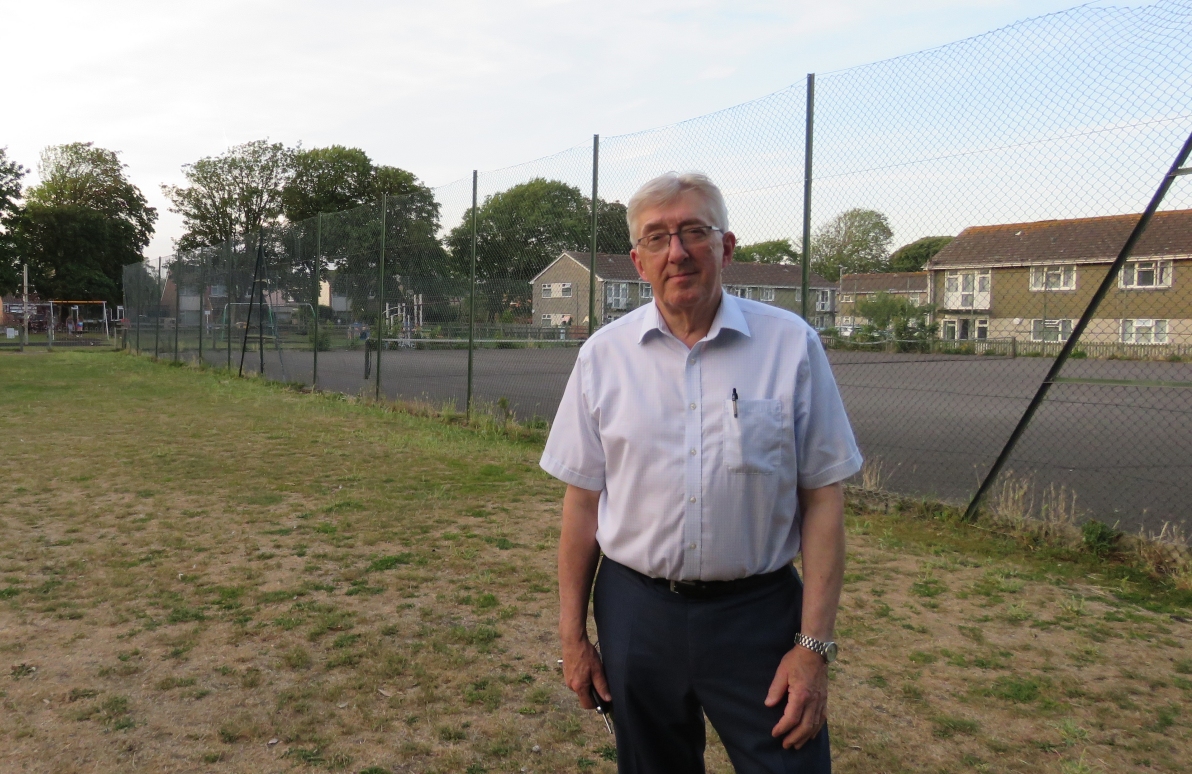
914, 257
519, 231
854, 242
231, 196
894, 316
772, 251
328, 180
10, 196
81, 223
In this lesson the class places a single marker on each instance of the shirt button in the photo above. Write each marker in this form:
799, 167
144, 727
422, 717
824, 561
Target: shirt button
693, 407
693, 452
692, 546
692, 499
691, 361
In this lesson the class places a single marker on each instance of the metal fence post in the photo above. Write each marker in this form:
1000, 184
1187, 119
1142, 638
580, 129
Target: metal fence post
25, 310
380, 334
202, 292
472, 302
177, 305
228, 300
595, 210
314, 377
157, 291
805, 290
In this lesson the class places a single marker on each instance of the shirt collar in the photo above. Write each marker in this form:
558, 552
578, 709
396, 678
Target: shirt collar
728, 316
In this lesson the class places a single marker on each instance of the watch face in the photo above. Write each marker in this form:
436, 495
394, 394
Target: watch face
830, 652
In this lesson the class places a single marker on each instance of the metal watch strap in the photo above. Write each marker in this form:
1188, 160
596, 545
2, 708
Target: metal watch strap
815, 646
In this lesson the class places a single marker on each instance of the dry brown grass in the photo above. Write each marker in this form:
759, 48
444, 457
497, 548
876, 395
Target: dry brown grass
200, 574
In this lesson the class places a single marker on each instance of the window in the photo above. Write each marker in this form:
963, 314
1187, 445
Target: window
966, 328
546, 290
767, 294
967, 289
1145, 274
1051, 330
1053, 278
846, 298
565, 289
982, 329
913, 298
1144, 331
823, 301
645, 290
617, 294
950, 330
546, 319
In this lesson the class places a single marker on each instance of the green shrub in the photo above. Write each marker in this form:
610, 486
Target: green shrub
1098, 538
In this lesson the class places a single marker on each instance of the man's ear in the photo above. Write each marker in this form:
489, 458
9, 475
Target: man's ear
637, 264
729, 240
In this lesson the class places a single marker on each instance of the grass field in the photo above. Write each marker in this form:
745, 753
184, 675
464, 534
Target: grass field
199, 573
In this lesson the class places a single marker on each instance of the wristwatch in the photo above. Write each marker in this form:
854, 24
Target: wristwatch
826, 650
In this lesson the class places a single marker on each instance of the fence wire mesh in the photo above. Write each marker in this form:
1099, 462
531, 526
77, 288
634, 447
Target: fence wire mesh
1007, 169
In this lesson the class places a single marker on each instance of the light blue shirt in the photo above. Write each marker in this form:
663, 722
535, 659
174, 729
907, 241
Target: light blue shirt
692, 486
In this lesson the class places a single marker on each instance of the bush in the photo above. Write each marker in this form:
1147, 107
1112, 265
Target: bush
1098, 538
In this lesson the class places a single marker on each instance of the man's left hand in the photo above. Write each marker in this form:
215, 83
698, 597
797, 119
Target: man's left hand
802, 677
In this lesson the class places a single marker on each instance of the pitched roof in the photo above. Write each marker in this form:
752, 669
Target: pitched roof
1079, 240
884, 282
620, 268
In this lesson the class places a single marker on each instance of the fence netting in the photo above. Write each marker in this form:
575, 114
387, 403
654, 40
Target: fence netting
965, 202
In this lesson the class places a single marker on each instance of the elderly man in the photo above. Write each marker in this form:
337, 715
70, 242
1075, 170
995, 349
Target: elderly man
703, 441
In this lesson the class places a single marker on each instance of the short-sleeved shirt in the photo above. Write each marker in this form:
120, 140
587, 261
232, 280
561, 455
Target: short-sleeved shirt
695, 485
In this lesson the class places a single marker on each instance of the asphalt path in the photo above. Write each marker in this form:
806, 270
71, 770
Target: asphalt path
933, 423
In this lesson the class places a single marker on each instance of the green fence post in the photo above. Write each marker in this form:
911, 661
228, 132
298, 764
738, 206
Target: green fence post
380, 335
157, 291
805, 290
592, 261
472, 302
228, 300
202, 292
177, 305
314, 378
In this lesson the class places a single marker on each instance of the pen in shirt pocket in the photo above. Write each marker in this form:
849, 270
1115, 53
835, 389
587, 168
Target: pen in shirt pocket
734, 401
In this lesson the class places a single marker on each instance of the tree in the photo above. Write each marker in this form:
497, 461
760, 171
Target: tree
854, 242
10, 195
773, 251
231, 196
914, 257
81, 224
519, 231
327, 180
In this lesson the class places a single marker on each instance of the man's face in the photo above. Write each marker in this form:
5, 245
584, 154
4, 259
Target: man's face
683, 278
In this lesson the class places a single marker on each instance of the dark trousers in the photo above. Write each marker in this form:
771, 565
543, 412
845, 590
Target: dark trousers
669, 659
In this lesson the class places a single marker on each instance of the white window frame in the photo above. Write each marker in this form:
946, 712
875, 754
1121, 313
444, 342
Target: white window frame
1063, 329
546, 290
823, 300
846, 298
616, 295
767, 295
546, 318
645, 291
968, 289
1155, 331
1053, 278
981, 328
565, 290
1161, 274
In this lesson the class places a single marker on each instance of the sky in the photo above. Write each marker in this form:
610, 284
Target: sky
436, 88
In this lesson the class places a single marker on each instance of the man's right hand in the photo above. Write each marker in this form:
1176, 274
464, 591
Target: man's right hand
582, 668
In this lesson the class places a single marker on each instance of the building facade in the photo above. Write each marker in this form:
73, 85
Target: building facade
911, 285
1031, 281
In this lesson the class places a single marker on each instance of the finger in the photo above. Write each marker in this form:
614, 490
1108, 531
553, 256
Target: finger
807, 728
778, 687
791, 716
581, 691
600, 683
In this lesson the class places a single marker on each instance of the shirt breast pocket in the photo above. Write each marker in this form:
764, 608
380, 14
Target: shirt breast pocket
753, 435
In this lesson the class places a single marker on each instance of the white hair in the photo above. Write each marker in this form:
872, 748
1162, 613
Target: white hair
667, 187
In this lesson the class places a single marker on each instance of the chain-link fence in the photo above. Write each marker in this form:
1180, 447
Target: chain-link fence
1008, 169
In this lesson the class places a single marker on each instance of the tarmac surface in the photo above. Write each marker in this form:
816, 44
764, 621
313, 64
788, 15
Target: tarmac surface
932, 423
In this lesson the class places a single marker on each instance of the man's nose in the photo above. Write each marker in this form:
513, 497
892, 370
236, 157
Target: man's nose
675, 251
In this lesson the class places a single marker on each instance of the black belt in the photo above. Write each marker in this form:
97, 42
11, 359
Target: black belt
711, 589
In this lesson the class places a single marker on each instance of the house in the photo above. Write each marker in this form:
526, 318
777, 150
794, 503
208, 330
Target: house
1031, 281
911, 285
560, 291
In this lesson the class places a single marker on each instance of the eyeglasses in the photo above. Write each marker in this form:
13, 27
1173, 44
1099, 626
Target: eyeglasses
692, 238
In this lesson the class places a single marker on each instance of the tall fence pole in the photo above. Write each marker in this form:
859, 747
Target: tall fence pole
202, 292
380, 334
805, 289
228, 300
251, 292
261, 305
595, 211
25, 309
157, 291
1176, 170
177, 305
472, 301
314, 376
140, 309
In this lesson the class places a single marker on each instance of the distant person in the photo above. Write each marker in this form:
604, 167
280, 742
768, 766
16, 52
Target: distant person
703, 442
